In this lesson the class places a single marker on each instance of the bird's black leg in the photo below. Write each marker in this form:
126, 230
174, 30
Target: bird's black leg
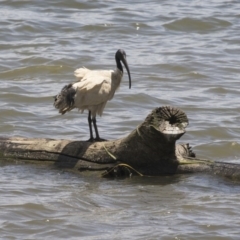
91, 139
96, 130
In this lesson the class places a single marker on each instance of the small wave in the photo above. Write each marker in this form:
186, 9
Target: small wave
96, 27
220, 150
30, 95
197, 25
221, 90
74, 4
20, 73
195, 75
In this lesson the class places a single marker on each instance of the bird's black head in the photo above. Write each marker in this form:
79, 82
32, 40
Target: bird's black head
121, 56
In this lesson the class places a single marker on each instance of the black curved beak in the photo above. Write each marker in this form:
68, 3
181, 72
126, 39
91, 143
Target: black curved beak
124, 60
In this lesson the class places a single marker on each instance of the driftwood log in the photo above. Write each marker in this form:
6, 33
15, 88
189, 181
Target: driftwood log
150, 150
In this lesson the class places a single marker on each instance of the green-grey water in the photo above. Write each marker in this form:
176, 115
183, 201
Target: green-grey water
180, 53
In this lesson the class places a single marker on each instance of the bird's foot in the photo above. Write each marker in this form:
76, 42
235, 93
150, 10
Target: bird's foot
91, 139
96, 140
100, 140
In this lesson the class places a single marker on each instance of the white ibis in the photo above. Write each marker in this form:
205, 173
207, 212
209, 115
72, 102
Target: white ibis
92, 91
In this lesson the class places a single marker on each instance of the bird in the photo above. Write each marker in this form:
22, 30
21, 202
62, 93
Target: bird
92, 91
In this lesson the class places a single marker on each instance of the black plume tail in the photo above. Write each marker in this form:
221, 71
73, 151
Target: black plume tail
64, 101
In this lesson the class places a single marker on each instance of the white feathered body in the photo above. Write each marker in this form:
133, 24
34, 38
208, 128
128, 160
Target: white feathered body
92, 91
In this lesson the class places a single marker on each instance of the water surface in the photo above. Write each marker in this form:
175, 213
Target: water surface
180, 53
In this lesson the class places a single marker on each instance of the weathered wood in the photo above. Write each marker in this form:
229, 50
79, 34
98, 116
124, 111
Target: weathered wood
150, 149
